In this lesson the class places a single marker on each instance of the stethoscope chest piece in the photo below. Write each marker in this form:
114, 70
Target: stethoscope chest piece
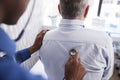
73, 52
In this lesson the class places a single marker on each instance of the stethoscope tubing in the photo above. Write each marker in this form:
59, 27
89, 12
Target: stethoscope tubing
26, 25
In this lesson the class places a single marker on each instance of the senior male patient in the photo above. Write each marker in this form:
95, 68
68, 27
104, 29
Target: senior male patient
94, 47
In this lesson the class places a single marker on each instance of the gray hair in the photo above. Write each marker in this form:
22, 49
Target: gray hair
73, 8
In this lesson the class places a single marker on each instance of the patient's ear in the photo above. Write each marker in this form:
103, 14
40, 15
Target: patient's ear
86, 11
59, 8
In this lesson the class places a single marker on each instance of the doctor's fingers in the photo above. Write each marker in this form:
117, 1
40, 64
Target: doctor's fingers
70, 60
42, 33
74, 59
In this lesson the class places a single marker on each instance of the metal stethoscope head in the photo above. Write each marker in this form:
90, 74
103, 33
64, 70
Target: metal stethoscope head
73, 52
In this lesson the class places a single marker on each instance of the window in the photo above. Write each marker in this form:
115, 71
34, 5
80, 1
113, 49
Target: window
109, 17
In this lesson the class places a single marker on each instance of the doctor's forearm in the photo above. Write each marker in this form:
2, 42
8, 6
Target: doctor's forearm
22, 55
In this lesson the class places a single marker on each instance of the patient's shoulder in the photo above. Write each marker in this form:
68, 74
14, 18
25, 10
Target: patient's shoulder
50, 34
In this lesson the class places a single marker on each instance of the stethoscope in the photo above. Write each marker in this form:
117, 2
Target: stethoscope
23, 30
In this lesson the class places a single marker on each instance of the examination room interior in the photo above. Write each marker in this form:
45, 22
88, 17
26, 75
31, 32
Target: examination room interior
104, 15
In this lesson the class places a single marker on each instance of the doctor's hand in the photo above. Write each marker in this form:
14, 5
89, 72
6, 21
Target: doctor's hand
74, 70
38, 42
